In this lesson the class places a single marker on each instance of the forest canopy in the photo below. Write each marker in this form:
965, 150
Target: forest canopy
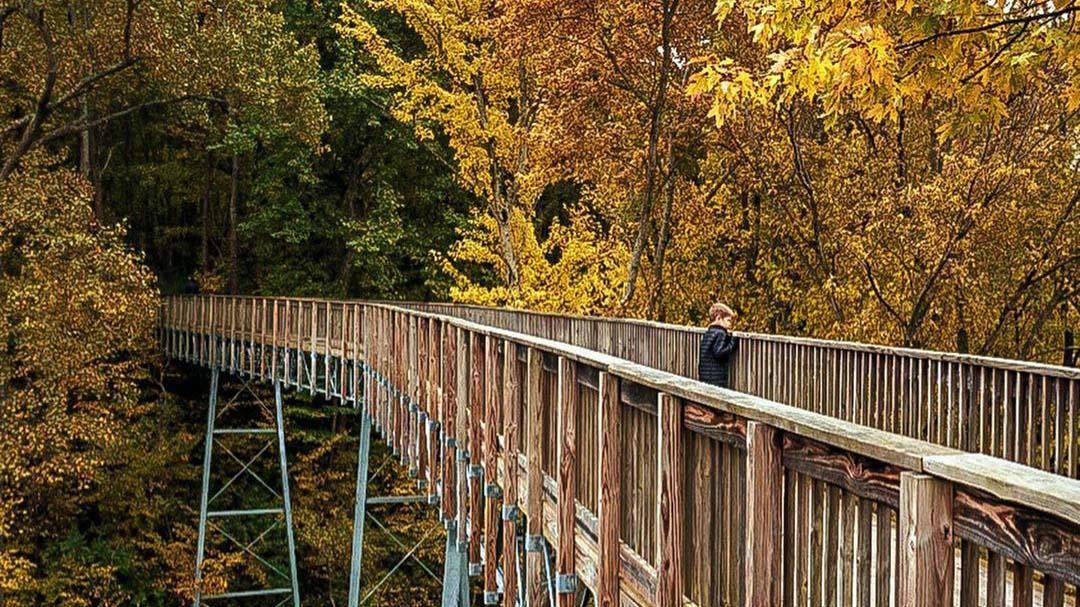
888, 172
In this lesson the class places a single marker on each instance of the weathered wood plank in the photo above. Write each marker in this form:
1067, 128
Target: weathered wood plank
765, 510
567, 481
511, 423
449, 421
491, 501
610, 492
863, 558
534, 510
476, 448
669, 587
925, 567
995, 580
1047, 543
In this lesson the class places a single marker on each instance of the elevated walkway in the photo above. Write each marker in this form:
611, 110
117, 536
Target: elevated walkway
885, 479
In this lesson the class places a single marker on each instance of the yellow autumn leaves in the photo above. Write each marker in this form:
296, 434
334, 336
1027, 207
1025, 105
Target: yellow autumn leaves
898, 172
79, 309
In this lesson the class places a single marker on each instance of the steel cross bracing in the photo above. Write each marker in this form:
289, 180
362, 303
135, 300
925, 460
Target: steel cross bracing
348, 380
273, 512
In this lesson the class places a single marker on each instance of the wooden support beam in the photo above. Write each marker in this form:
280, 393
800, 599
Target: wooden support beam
765, 512
566, 585
433, 407
491, 462
421, 400
610, 492
926, 542
511, 424
449, 420
286, 366
461, 436
326, 349
534, 508
476, 447
252, 328
274, 343
669, 583
356, 354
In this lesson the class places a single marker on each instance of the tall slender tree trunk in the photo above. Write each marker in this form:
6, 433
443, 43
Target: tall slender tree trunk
352, 192
663, 238
500, 203
234, 215
204, 217
656, 113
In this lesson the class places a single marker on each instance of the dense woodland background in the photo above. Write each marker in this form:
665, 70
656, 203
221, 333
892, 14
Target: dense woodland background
895, 172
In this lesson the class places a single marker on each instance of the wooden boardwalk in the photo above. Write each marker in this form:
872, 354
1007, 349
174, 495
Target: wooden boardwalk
683, 493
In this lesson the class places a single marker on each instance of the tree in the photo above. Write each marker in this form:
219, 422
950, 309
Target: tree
68, 376
475, 85
911, 162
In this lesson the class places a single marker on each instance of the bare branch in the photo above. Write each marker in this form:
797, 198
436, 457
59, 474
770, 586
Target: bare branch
37, 19
76, 127
881, 296
1067, 9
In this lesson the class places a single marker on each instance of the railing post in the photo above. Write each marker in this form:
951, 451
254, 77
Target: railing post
511, 423
476, 448
414, 397
669, 583
926, 542
491, 487
274, 343
449, 421
461, 426
566, 557
765, 512
286, 366
534, 509
311, 355
327, 351
262, 341
610, 492
434, 390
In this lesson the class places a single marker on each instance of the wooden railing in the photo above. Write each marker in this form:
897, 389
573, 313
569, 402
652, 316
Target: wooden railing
1024, 412
681, 491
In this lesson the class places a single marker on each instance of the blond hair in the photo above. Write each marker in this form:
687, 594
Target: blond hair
720, 311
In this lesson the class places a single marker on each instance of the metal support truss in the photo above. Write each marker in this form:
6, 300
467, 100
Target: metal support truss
455, 571
361, 507
288, 579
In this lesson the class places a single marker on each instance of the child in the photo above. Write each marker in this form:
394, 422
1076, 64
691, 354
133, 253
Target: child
716, 346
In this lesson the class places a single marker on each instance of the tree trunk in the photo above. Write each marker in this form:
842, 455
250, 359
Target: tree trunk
352, 191
234, 253
651, 161
1070, 354
204, 217
655, 307
500, 205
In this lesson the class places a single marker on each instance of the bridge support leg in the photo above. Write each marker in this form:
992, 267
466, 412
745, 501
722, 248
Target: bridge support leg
285, 492
360, 511
463, 572
455, 577
206, 516
203, 499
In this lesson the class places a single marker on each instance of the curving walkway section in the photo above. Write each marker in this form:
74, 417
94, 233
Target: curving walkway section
876, 485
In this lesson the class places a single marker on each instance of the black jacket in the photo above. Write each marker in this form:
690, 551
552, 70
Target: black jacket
713, 357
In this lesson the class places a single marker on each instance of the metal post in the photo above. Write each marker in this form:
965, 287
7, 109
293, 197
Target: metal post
203, 499
285, 493
451, 594
360, 510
